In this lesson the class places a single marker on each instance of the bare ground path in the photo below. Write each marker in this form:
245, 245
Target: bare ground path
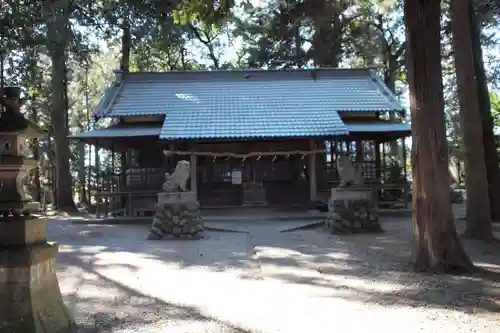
266, 281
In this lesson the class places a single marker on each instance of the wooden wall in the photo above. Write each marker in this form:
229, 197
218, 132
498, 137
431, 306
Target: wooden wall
285, 179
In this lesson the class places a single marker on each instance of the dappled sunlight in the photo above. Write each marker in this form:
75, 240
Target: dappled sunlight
242, 278
488, 265
360, 284
123, 256
293, 267
278, 252
81, 249
99, 303
376, 247
337, 256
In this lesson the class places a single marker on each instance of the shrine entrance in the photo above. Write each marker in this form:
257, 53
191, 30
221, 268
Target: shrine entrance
252, 181
254, 191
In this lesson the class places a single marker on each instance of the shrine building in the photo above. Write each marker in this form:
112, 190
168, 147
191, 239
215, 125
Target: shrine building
253, 137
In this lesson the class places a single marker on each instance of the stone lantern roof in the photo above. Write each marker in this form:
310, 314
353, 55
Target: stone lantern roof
12, 121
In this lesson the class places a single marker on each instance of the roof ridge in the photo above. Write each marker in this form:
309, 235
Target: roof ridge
384, 89
114, 88
244, 70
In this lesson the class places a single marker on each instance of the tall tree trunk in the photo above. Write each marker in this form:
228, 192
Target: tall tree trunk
490, 152
299, 54
327, 44
390, 81
124, 66
51, 163
35, 82
327, 38
36, 156
126, 46
436, 245
478, 225
82, 171
57, 37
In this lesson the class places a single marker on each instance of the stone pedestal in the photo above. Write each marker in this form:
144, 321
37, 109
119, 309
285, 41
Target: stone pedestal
352, 210
177, 217
30, 299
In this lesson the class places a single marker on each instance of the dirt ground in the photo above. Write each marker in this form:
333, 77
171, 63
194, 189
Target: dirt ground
265, 280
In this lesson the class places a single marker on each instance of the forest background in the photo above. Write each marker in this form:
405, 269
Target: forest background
63, 52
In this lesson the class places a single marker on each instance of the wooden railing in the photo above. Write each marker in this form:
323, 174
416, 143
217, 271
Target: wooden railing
129, 194
132, 180
132, 203
368, 170
134, 192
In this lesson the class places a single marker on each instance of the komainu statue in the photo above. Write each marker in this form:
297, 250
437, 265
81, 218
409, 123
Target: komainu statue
177, 213
351, 206
349, 176
178, 179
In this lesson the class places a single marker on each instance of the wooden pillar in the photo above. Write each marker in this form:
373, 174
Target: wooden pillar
97, 181
312, 173
384, 159
360, 154
404, 158
378, 160
122, 178
113, 158
194, 174
405, 188
113, 182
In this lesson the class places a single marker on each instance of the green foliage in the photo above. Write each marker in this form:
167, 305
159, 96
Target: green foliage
495, 109
393, 174
273, 35
198, 34
394, 171
211, 13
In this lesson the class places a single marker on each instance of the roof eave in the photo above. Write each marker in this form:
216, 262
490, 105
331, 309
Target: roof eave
253, 137
102, 111
396, 104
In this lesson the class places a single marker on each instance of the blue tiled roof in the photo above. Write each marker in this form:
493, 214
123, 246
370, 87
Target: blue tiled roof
230, 104
378, 127
247, 117
118, 132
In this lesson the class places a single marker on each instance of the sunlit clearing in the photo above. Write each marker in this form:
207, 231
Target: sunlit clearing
67, 249
133, 259
487, 265
338, 255
277, 252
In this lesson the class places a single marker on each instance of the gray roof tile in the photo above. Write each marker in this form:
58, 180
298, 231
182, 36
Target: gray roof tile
248, 117
225, 104
379, 127
118, 132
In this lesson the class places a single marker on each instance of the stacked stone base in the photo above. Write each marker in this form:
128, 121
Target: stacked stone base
352, 216
30, 298
177, 219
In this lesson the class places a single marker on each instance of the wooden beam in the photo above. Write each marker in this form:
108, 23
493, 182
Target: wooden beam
252, 154
360, 153
312, 172
194, 174
378, 159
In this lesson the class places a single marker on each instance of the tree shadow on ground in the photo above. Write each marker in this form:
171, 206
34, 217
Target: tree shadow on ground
361, 268
103, 305
374, 269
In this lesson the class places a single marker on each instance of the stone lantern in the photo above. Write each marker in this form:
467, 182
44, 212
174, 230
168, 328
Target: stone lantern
30, 298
